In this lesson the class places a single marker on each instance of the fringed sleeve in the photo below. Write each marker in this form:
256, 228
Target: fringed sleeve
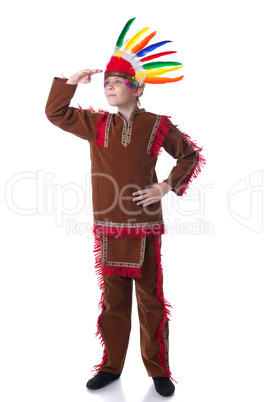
78, 121
189, 159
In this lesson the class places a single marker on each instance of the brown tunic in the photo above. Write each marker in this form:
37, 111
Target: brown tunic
123, 160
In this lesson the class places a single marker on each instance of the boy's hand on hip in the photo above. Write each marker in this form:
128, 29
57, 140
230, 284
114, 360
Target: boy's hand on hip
83, 76
152, 194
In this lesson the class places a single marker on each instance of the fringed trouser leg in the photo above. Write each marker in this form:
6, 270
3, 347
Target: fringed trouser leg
115, 319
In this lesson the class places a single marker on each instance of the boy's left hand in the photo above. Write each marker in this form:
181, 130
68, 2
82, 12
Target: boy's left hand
152, 194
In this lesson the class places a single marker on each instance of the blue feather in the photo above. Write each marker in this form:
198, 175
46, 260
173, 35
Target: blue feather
150, 48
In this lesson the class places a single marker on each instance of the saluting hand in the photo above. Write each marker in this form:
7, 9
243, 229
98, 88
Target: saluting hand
83, 76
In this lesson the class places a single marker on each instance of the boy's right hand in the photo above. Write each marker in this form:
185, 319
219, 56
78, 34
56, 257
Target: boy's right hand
83, 76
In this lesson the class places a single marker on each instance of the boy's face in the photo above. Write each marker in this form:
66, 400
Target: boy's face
117, 92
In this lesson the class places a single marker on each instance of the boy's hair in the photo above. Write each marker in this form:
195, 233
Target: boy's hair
138, 97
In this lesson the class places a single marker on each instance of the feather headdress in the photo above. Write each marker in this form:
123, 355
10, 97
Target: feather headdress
128, 59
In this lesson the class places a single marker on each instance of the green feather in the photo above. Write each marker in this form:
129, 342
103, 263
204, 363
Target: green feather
120, 40
157, 64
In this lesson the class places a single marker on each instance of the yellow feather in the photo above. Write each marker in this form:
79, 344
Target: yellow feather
159, 71
119, 53
132, 42
140, 76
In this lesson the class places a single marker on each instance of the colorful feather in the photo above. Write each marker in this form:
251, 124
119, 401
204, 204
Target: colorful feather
140, 76
160, 71
132, 42
150, 48
118, 53
155, 56
121, 37
134, 55
143, 43
161, 80
160, 64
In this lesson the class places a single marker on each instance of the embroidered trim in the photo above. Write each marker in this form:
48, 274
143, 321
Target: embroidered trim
159, 132
130, 225
102, 127
151, 139
127, 129
127, 134
176, 188
193, 171
164, 336
98, 270
161, 335
119, 74
123, 137
107, 129
120, 263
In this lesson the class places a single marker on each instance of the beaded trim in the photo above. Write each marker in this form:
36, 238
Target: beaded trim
164, 334
107, 129
166, 346
123, 263
176, 188
161, 332
127, 129
154, 131
123, 138
120, 74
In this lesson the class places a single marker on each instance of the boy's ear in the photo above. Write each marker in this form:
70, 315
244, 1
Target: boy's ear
138, 91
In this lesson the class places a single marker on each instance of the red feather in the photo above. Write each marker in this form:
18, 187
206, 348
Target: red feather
154, 56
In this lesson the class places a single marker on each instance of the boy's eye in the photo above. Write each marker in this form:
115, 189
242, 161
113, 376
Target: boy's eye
117, 82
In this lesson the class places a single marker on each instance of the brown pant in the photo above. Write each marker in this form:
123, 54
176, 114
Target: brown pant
115, 319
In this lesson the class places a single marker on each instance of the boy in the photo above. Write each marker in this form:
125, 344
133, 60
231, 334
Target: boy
126, 198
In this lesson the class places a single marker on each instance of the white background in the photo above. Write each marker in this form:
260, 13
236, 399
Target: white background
215, 263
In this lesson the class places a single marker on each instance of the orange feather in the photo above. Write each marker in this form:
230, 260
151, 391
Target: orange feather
161, 80
143, 43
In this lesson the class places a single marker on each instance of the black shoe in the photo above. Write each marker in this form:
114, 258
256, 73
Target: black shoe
101, 379
164, 386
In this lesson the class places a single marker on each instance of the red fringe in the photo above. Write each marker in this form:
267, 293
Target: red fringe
160, 135
122, 271
166, 307
130, 232
196, 169
99, 125
100, 128
98, 268
91, 109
